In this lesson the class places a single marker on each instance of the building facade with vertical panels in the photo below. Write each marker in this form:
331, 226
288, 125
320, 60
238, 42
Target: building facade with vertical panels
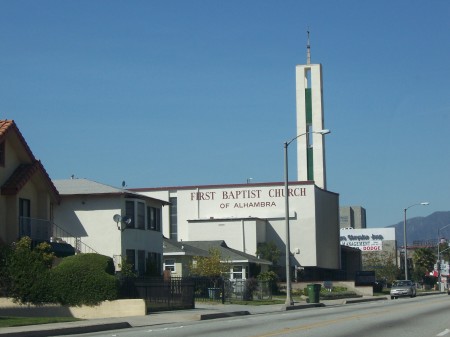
352, 217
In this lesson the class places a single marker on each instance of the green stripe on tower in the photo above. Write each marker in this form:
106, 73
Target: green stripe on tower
308, 106
310, 161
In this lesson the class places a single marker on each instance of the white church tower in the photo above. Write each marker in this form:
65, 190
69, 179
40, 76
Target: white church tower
310, 148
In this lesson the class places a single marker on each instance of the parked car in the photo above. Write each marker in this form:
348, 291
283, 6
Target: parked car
403, 288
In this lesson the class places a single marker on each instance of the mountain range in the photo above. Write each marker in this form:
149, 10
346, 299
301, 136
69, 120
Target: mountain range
423, 230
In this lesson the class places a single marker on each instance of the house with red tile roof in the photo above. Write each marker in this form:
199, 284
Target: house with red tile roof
27, 194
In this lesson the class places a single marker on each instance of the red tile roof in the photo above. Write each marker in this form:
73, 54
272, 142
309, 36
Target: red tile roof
24, 172
7, 126
21, 175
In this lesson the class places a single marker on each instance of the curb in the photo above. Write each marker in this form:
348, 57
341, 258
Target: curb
224, 315
304, 306
381, 298
71, 330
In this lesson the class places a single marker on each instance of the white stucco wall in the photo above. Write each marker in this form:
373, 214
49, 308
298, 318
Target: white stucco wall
91, 219
318, 143
215, 212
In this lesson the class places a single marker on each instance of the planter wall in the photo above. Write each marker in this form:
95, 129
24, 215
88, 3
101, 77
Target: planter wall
107, 309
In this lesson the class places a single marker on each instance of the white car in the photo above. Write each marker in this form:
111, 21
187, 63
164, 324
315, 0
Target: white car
403, 288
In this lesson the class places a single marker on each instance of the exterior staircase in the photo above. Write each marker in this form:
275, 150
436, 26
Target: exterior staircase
40, 230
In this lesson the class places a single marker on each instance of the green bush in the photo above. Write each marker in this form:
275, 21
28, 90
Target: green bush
85, 279
5, 280
338, 295
271, 277
27, 272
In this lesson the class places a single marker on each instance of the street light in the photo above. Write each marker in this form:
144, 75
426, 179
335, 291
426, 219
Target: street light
404, 235
438, 264
289, 300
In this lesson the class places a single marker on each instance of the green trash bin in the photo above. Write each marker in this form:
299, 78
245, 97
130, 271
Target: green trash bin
314, 293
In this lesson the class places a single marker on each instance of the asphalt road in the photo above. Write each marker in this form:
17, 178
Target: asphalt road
405, 317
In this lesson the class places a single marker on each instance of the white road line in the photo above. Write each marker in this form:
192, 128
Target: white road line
443, 333
166, 329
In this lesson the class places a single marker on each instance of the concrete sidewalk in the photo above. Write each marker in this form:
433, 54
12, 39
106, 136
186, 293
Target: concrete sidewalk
203, 311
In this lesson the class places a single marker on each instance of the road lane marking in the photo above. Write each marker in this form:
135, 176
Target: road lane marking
334, 321
443, 333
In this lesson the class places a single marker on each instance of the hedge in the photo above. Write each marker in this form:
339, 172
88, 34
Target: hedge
84, 279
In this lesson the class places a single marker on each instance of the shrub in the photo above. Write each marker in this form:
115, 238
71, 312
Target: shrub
271, 277
85, 279
251, 285
5, 281
28, 272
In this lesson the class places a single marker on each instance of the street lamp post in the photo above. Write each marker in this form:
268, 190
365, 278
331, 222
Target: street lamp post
289, 300
425, 203
438, 264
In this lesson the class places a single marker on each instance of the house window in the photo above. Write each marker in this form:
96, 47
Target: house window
154, 219
237, 272
135, 210
131, 258
140, 215
173, 219
2, 154
129, 211
158, 219
151, 218
141, 262
169, 264
154, 264
25, 220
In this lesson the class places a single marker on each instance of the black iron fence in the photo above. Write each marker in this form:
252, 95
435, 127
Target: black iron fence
159, 294
208, 289
248, 290
181, 293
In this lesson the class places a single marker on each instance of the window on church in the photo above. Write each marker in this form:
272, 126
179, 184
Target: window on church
173, 219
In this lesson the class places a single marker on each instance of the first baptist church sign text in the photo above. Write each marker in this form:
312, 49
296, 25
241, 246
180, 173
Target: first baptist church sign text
247, 198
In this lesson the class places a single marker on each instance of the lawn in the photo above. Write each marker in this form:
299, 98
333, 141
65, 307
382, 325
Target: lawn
9, 321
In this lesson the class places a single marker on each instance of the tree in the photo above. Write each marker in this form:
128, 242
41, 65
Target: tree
383, 264
424, 260
269, 251
211, 265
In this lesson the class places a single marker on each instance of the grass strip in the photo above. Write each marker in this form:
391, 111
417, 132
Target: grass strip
10, 321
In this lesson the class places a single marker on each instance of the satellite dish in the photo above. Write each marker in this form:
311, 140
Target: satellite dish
126, 220
117, 218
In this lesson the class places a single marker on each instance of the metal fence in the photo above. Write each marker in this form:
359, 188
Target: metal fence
36, 229
182, 292
207, 289
160, 294
224, 290
45, 230
248, 290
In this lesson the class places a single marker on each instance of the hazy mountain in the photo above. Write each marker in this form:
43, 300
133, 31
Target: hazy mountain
424, 229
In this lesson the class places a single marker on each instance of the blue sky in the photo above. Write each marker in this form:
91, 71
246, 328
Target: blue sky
163, 93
